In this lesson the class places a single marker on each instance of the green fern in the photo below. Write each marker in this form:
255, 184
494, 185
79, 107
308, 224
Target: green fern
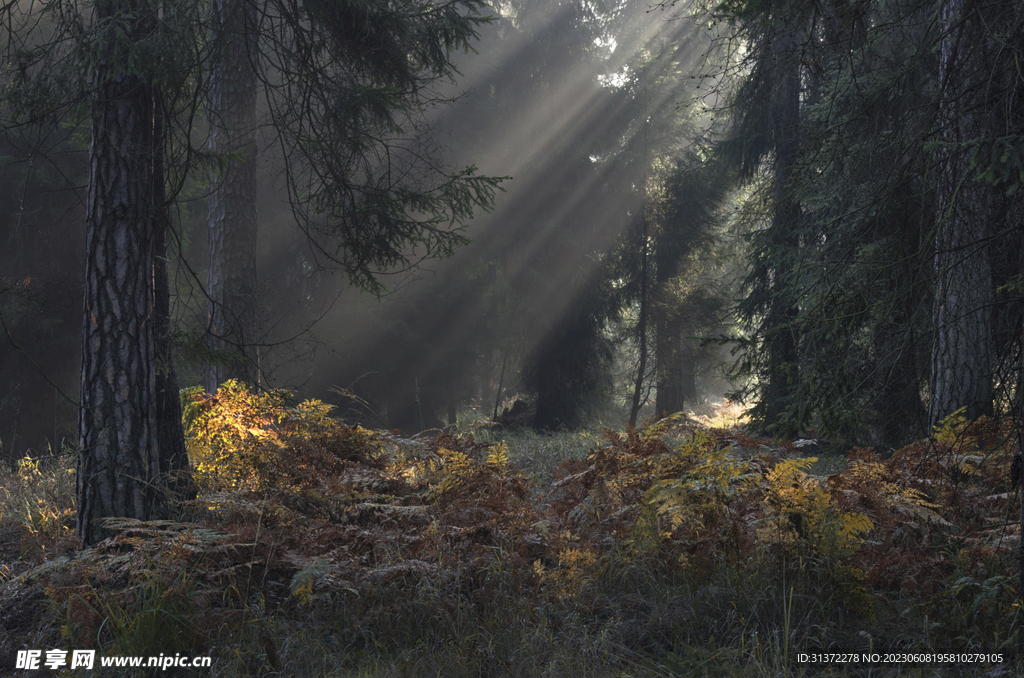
702, 478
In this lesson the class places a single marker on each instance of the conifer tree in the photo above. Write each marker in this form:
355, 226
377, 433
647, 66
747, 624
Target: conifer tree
767, 126
962, 369
232, 227
346, 77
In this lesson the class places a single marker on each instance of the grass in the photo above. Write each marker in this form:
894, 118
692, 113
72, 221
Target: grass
539, 454
245, 585
37, 494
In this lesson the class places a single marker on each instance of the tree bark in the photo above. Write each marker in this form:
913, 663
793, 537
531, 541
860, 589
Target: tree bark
961, 374
231, 283
119, 419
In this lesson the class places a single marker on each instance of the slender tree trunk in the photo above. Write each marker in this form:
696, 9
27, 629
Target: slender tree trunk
501, 383
231, 283
119, 419
668, 328
641, 332
452, 402
670, 397
961, 374
668, 324
173, 456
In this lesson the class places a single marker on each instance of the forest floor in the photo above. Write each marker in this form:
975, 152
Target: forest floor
683, 548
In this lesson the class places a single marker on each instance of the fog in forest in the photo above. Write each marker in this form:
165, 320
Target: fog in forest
694, 202
582, 113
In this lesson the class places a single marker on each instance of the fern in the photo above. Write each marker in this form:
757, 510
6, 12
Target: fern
951, 428
497, 458
702, 478
802, 512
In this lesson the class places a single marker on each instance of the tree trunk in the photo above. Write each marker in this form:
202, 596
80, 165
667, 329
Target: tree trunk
961, 374
231, 283
641, 332
779, 328
451, 401
688, 371
669, 328
119, 418
171, 435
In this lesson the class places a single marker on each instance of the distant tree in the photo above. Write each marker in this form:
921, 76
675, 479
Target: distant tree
557, 219
568, 369
686, 301
671, 277
232, 227
766, 126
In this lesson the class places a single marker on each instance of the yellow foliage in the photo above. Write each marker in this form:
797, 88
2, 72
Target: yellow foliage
497, 458
231, 438
574, 570
907, 502
454, 467
698, 478
802, 511
239, 440
304, 591
951, 428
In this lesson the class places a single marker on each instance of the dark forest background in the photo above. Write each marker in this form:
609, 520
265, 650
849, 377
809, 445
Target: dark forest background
809, 207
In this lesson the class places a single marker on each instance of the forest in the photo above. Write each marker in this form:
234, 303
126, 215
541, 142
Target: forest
514, 337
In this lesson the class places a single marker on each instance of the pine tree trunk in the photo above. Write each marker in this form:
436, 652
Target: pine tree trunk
118, 423
668, 328
231, 283
961, 374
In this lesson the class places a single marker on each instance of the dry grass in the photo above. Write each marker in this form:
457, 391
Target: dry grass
37, 494
437, 558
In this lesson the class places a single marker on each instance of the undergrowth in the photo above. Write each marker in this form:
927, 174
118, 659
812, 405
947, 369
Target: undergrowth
675, 548
37, 497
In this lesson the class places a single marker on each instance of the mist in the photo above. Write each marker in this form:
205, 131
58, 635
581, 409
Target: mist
582, 111
574, 109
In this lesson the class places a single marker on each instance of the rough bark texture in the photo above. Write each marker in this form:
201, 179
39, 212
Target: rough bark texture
231, 284
118, 424
961, 374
